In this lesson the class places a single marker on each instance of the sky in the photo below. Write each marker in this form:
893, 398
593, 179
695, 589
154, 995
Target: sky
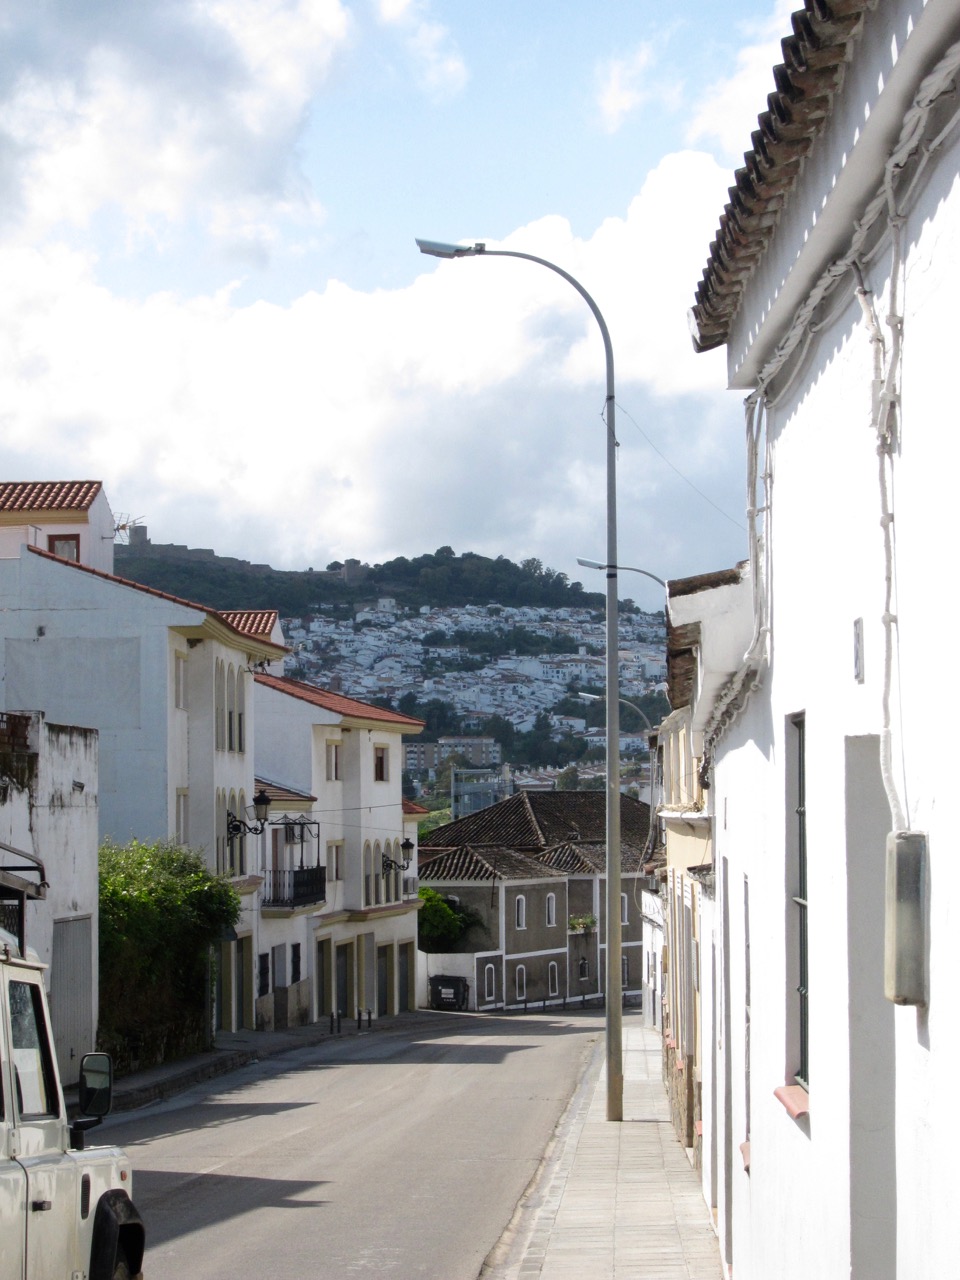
212, 299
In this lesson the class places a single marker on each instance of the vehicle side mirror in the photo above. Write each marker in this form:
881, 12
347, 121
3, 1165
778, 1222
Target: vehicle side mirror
96, 1084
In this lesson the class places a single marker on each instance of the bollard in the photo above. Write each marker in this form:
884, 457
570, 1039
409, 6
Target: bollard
332, 1021
369, 1018
339, 1016
359, 1019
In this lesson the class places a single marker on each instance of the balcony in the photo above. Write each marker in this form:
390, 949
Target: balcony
295, 888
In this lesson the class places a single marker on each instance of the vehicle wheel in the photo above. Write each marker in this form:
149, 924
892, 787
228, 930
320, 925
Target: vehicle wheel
121, 1268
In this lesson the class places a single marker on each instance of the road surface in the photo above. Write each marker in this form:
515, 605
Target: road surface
400, 1153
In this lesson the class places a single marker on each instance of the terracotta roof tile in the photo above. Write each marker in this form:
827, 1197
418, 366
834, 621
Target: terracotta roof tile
337, 703
282, 795
411, 807
540, 819
489, 864
815, 55
48, 495
251, 622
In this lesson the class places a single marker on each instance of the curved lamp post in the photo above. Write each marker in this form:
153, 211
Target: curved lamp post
623, 568
614, 938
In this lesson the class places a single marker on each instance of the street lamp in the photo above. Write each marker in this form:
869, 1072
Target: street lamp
614, 984
624, 568
237, 827
406, 848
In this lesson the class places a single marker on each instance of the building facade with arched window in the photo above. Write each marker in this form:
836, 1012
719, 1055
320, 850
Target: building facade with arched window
541, 906
337, 762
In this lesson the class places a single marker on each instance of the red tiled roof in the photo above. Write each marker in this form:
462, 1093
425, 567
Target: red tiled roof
491, 864
282, 795
410, 807
150, 591
814, 60
48, 495
590, 859
251, 622
336, 702
542, 819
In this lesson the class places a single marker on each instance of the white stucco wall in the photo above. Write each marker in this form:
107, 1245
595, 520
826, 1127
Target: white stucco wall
865, 1181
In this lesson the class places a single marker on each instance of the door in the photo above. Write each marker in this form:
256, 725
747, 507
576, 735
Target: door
51, 1174
322, 978
403, 1003
71, 994
383, 974
343, 981
238, 961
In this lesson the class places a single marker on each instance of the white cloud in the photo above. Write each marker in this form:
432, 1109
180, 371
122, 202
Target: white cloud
623, 86
372, 423
164, 134
437, 62
726, 111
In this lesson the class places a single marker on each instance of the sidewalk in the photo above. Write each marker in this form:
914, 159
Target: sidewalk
614, 1201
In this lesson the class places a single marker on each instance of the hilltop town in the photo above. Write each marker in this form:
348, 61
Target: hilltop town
464, 656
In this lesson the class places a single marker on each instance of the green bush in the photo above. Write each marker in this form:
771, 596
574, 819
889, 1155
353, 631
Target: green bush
161, 911
441, 926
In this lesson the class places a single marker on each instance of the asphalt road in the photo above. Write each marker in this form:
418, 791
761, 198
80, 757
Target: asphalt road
394, 1154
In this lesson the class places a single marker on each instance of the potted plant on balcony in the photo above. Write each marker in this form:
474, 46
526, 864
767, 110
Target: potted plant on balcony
585, 923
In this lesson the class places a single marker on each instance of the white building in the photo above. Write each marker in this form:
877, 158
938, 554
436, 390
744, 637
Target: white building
48, 810
357, 939
832, 282
70, 518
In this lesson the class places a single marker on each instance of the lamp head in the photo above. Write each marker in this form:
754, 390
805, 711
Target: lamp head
437, 249
261, 805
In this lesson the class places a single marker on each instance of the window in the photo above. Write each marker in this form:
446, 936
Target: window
180, 681
798, 960
625, 971
333, 761
183, 816
231, 710
521, 982
380, 764
551, 909
553, 979
624, 916
294, 962
334, 861
241, 714
32, 1060
220, 706
65, 545
489, 983
521, 911
263, 973
584, 969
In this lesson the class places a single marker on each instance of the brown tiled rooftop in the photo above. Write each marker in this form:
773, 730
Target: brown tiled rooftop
282, 795
48, 495
532, 820
814, 58
489, 863
337, 703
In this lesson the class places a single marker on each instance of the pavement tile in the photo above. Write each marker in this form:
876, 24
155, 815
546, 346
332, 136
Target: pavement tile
623, 1200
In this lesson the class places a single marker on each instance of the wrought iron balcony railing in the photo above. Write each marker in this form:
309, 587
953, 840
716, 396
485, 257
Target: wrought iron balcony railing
295, 888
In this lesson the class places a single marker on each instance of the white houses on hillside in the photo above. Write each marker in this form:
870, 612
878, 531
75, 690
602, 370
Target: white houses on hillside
834, 1033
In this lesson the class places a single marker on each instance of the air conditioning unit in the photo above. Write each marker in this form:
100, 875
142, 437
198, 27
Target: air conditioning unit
410, 886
